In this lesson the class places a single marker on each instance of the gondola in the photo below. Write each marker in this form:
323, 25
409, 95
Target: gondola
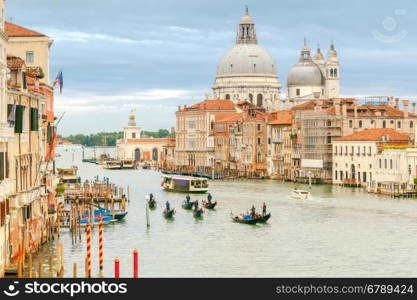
152, 204
187, 205
244, 219
264, 218
208, 205
168, 213
198, 213
118, 214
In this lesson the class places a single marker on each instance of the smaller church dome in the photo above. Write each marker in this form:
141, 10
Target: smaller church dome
132, 121
306, 72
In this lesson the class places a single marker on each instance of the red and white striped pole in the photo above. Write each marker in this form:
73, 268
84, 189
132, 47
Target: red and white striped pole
100, 241
88, 250
135, 264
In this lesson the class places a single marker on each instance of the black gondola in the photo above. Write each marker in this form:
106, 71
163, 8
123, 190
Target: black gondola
198, 213
168, 213
264, 218
244, 219
187, 205
208, 205
152, 204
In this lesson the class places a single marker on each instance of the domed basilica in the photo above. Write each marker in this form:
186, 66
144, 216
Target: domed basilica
248, 72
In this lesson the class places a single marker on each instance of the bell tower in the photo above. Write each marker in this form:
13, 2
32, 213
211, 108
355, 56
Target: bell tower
131, 131
332, 85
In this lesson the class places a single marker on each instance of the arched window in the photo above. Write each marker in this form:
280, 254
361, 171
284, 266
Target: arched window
331, 72
227, 96
259, 100
335, 73
384, 124
133, 135
137, 154
251, 98
297, 92
411, 124
259, 156
155, 154
399, 124
259, 140
360, 124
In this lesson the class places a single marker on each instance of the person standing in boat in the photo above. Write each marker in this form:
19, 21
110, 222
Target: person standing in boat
188, 198
264, 209
253, 211
151, 196
196, 205
167, 205
209, 197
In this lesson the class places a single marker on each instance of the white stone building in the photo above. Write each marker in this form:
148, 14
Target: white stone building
354, 155
133, 147
247, 71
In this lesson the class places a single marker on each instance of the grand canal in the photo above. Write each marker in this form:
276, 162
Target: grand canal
340, 232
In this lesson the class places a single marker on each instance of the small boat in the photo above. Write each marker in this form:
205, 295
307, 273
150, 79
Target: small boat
264, 218
112, 165
186, 184
198, 213
128, 164
187, 205
168, 213
244, 219
118, 214
208, 205
300, 194
69, 175
152, 203
104, 220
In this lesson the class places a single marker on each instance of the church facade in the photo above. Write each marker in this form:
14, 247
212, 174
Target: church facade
247, 72
133, 147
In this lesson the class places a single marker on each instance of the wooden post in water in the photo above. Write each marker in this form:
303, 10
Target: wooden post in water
51, 268
112, 207
148, 224
74, 271
40, 274
30, 266
128, 193
61, 271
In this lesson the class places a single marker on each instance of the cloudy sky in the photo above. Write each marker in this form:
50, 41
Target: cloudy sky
156, 55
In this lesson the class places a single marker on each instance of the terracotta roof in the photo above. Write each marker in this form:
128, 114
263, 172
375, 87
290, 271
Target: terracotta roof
211, 105
14, 62
147, 140
234, 117
391, 135
283, 117
19, 31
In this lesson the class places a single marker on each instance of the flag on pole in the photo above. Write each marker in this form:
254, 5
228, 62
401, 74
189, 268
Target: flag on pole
59, 80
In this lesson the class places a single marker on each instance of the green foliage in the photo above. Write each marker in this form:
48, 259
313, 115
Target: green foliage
109, 138
60, 188
415, 180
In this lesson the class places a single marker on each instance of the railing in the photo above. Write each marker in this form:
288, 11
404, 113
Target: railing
277, 140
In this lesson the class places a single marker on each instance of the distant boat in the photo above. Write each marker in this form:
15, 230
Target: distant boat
128, 164
186, 184
300, 194
208, 205
187, 205
104, 220
264, 218
198, 213
112, 165
244, 219
69, 175
118, 214
168, 213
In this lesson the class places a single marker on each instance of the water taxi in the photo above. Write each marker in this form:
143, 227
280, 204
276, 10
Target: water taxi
128, 164
300, 194
112, 165
69, 175
186, 184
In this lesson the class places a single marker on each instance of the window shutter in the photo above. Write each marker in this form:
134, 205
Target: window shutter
34, 119
24, 80
49, 134
18, 125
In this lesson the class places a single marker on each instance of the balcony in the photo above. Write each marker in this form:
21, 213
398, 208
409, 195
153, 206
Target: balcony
277, 140
277, 157
296, 156
6, 132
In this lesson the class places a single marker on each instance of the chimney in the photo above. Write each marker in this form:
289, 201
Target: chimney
405, 104
397, 103
414, 107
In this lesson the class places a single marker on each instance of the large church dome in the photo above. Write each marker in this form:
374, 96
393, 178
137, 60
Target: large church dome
246, 59
306, 72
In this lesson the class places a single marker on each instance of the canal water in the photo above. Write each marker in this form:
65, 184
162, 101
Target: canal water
340, 232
